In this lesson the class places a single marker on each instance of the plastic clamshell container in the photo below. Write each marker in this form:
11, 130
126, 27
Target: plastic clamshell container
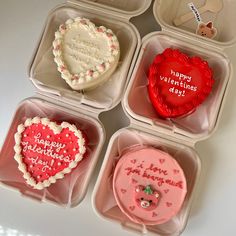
171, 135
56, 101
44, 72
203, 121
70, 190
103, 198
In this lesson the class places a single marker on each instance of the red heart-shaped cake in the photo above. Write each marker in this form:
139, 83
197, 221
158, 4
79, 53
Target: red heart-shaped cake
178, 83
46, 151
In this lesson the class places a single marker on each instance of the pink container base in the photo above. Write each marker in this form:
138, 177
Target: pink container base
70, 190
125, 140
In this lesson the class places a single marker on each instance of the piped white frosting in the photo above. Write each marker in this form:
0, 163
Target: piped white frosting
83, 52
56, 129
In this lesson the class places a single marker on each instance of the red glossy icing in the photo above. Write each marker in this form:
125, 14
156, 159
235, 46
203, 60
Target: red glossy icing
178, 83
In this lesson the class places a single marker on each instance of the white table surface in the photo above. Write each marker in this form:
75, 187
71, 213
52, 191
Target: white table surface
213, 210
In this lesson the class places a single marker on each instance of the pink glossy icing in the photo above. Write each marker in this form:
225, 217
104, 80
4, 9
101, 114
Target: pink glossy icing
149, 186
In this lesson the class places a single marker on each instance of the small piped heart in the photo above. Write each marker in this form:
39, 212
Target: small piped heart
134, 181
133, 161
169, 204
154, 214
176, 172
166, 190
161, 161
132, 208
123, 191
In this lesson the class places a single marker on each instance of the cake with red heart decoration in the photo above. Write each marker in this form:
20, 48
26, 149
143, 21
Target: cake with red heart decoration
149, 185
46, 151
178, 84
86, 55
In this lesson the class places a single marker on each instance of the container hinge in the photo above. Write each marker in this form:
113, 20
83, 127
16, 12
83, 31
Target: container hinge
162, 132
198, 41
68, 103
93, 5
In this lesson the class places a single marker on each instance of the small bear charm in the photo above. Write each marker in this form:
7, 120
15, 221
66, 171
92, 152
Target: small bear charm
146, 197
206, 30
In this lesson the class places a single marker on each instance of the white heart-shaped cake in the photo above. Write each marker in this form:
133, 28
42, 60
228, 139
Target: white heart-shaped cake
86, 55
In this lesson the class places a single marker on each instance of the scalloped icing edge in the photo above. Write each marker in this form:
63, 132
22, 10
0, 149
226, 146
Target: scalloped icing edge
56, 129
181, 57
76, 80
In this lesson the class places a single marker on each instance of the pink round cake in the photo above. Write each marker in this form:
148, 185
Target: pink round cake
149, 186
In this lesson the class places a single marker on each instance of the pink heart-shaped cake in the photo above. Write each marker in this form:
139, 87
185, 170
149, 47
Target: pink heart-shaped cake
45, 151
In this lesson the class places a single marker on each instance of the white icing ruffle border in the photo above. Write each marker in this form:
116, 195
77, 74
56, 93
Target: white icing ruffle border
56, 129
75, 79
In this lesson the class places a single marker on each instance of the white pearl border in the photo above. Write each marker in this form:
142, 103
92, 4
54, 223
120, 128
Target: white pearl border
56, 129
83, 77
